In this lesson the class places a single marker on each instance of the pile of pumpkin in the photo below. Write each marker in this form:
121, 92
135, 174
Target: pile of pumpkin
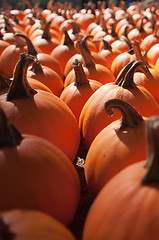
79, 81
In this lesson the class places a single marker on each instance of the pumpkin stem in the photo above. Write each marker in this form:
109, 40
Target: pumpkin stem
8, 26
130, 117
67, 40
46, 32
88, 60
4, 82
152, 164
20, 87
119, 80
30, 46
84, 42
75, 26
36, 67
125, 80
113, 33
80, 76
102, 24
9, 136
138, 54
125, 39
140, 27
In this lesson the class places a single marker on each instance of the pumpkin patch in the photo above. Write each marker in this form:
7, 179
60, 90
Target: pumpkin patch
79, 108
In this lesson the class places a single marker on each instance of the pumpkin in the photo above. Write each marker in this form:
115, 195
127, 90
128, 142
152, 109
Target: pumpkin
127, 206
151, 39
32, 224
46, 76
10, 55
45, 42
93, 118
121, 61
77, 93
92, 70
65, 50
31, 170
118, 145
39, 112
43, 58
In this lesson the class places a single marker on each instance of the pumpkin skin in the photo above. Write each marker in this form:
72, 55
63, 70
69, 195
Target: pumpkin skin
46, 76
134, 195
118, 145
93, 118
33, 225
35, 178
30, 114
10, 55
78, 92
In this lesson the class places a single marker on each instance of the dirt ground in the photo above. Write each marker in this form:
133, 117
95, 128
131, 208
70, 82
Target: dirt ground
86, 200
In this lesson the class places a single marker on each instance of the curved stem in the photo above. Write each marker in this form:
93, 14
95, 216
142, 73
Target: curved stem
10, 136
152, 164
119, 80
125, 39
46, 32
128, 79
130, 117
30, 46
84, 42
80, 76
88, 60
67, 40
19, 88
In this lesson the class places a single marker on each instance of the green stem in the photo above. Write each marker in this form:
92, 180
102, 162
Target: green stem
130, 117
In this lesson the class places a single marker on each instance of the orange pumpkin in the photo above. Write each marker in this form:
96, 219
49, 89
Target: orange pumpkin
46, 76
43, 58
93, 118
92, 70
33, 177
39, 112
20, 223
127, 206
118, 145
65, 50
77, 93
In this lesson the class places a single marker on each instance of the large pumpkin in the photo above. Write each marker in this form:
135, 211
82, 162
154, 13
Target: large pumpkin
35, 174
127, 206
40, 113
93, 118
120, 144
